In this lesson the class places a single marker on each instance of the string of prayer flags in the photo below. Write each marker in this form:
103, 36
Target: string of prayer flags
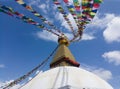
5, 9
62, 11
29, 8
78, 8
82, 12
72, 11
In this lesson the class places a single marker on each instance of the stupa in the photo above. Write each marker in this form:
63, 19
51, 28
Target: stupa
65, 73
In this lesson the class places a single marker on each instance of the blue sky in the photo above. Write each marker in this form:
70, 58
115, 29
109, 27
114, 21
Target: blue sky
23, 46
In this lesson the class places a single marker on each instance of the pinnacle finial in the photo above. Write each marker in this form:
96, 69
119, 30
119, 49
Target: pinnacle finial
63, 40
63, 56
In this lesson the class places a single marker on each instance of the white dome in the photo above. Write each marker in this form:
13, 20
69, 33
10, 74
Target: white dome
66, 78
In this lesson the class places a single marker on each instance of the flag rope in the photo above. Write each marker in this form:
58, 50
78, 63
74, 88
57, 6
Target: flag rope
20, 79
29, 8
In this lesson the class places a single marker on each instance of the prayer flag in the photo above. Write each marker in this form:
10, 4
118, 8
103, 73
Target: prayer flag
98, 1
96, 5
20, 1
66, 1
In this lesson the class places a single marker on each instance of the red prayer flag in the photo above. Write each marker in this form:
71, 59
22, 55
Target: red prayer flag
77, 8
18, 14
56, 2
9, 13
96, 5
84, 7
66, 1
32, 22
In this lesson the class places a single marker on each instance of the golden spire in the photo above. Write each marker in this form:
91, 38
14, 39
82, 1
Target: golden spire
63, 56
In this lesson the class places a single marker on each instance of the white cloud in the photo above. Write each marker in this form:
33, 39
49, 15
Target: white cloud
112, 57
104, 74
112, 32
101, 21
38, 72
2, 85
16, 86
30, 78
51, 37
88, 37
34, 2
47, 36
111, 25
43, 7
64, 23
2, 65
60, 18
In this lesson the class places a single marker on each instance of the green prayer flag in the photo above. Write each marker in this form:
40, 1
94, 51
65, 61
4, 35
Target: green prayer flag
98, 1
1, 10
75, 0
76, 3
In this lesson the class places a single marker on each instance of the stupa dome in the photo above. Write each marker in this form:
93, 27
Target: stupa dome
66, 78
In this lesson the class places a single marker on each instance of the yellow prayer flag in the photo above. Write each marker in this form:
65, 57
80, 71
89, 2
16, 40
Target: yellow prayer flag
20, 2
37, 14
